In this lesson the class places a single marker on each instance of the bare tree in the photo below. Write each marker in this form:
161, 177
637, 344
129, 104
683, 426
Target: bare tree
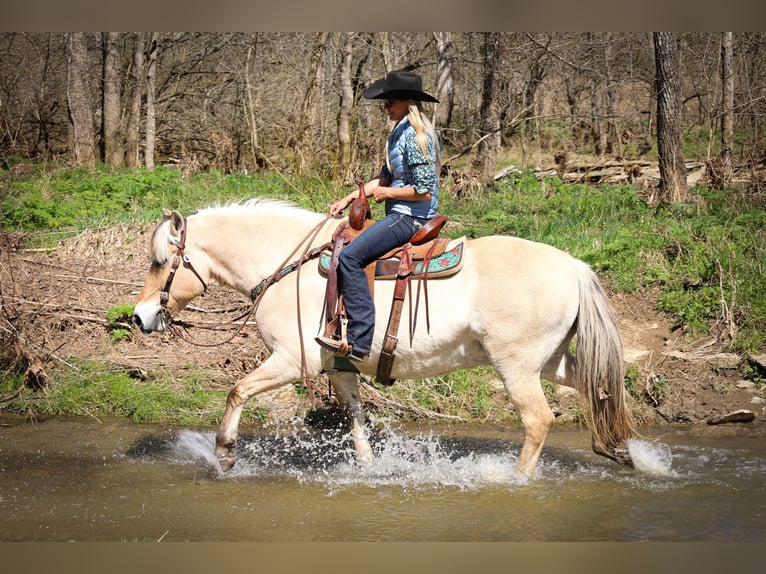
135, 91
151, 112
727, 111
489, 125
389, 60
113, 149
79, 94
613, 137
346, 107
752, 71
445, 89
669, 145
598, 113
250, 102
537, 70
307, 116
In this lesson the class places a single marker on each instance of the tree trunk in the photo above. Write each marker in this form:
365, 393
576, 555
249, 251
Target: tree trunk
346, 107
151, 114
133, 121
444, 83
537, 70
727, 111
489, 127
307, 116
113, 149
669, 145
79, 100
259, 161
613, 145
389, 61
598, 127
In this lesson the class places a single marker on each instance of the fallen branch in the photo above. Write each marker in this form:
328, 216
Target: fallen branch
388, 403
98, 280
10, 396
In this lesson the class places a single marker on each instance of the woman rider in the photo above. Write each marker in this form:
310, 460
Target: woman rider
408, 184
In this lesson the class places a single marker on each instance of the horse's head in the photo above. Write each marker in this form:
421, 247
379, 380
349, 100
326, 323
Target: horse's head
175, 277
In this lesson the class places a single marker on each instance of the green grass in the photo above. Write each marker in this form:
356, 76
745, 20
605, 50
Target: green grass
96, 389
61, 199
466, 393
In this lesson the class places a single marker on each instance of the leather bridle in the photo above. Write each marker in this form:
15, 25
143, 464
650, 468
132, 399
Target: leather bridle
178, 258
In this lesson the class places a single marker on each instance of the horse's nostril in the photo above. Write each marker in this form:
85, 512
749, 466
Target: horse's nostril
137, 321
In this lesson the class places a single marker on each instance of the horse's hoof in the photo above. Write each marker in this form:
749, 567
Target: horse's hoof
365, 458
226, 462
622, 456
226, 459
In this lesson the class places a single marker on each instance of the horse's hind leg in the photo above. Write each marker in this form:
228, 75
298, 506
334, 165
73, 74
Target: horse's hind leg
346, 385
272, 374
560, 369
560, 366
526, 394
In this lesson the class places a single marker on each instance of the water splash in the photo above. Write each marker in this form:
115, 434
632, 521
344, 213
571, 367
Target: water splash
410, 462
194, 446
428, 462
403, 461
653, 458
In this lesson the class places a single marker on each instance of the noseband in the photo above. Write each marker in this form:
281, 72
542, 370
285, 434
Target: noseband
179, 257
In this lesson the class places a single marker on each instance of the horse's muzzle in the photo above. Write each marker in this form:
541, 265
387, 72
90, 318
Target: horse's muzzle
140, 324
156, 322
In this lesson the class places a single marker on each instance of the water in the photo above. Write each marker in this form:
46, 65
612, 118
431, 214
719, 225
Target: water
114, 481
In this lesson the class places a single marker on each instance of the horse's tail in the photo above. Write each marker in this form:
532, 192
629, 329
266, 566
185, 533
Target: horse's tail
600, 371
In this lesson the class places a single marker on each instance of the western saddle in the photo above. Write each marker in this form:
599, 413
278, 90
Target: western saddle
425, 255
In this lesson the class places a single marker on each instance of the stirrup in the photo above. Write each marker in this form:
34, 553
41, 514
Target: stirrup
340, 348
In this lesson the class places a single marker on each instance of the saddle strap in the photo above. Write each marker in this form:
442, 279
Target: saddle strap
390, 340
331, 296
423, 281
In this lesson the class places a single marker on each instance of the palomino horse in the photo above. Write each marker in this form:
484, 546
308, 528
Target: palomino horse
515, 304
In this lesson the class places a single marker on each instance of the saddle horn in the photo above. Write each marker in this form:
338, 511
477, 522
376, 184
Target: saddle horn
360, 209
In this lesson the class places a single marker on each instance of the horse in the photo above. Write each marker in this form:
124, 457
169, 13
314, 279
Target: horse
515, 304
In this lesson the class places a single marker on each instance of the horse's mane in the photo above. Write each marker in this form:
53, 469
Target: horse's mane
160, 251
256, 205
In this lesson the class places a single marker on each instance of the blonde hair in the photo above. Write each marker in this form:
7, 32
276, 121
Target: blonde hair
423, 131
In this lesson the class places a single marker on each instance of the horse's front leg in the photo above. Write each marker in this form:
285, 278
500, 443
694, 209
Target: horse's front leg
272, 374
346, 385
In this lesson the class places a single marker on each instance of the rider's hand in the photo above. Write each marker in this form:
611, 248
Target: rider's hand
381, 194
338, 206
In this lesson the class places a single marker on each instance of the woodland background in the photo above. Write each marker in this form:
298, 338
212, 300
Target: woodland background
291, 102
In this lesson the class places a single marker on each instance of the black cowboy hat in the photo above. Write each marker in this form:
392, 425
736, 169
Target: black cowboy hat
398, 85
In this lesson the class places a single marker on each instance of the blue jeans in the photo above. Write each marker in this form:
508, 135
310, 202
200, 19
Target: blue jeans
392, 231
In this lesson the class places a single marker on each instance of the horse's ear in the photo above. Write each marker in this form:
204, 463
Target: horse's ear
166, 213
176, 227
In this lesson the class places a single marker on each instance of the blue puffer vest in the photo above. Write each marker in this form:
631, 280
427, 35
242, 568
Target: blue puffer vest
402, 176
